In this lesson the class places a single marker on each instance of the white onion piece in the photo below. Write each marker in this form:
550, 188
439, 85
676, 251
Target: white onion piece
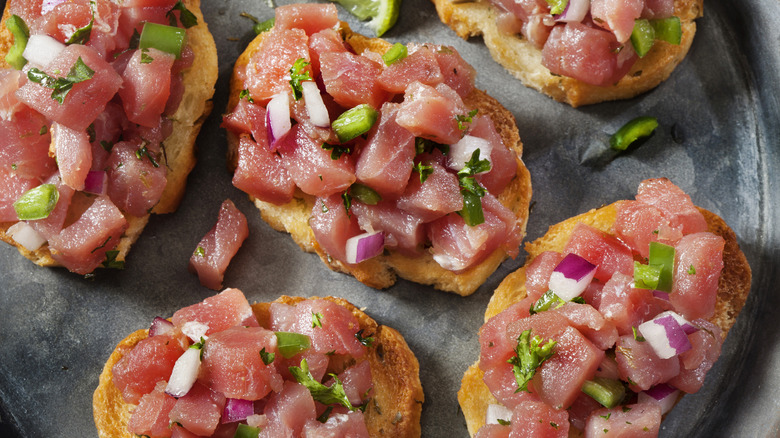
318, 112
26, 236
665, 335
96, 182
184, 374
277, 118
365, 246
41, 50
160, 326
257, 420
575, 11
195, 330
497, 412
460, 152
662, 394
687, 327
237, 410
571, 277
49, 5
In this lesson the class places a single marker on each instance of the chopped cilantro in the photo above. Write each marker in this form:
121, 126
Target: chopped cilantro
80, 72
106, 145
267, 357
91, 132
336, 151
606, 417
324, 207
471, 190
423, 170
325, 414
557, 6
366, 341
144, 152
81, 35
111, 262
145, 57
503, 422
529, 355
422, 145
461, 119
691, 270
546, 302
555, 426
637, 336
187, 18
200, 251
316, 320
245, 94
347, 199
259, 26
44, 130
298, 74
327, 395
626, 408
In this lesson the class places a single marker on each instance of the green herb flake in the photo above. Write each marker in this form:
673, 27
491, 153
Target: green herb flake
471, 190
146, 58
347, 200
557, 6
106, 145
298, 74
327, 395
424, 171
111, 262
554, 425
503, 422
463, 119
259, 26
529, 355
187, 18
244, 94
626, 408
324, 207
44, 130
316, 320
637, 336
142, 152
336, 151
367, 341
81, 35
606, 417
691, 270
200, 251
246, 431
80, 72
547, 301
323, 418
267, 357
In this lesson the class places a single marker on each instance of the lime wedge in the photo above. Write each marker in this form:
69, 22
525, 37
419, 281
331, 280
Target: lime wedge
382, 14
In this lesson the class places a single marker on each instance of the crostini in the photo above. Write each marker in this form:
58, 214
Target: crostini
394, 164
100, 108
623, 309
581, 52
271, 368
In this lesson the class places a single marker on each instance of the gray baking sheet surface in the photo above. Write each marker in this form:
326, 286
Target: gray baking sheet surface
718, 139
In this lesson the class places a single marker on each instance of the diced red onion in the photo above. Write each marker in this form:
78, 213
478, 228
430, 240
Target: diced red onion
665, 335
26, 236
277, 118
49, 5
184, 374
497, 412
365, 246
160, 326
237, 410
662, 394
571, 277
95, 182
318, 112
687, 327
460, 152
661, 295
575, 11
195, 330
41, 50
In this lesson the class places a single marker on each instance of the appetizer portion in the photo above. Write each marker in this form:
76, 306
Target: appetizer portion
581, 51
293, 367
383, 159
100, 104
618, 313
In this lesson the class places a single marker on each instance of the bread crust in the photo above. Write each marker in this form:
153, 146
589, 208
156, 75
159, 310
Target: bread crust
524, 61
733, 288
394, 409
193, 110
382, 271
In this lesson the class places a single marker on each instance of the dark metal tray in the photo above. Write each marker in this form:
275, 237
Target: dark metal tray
718, 139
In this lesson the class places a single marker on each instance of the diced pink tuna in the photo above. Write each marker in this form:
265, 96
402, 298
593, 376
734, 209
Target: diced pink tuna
493, 431
351, 425
311, 166
626, 306
10, 80
639, 365
501, 382
676, 205
420, 65
199, 410
436, 197
150, 417
52, 224
580, 410
458, 74
592, 324
538, 419
227, 309
288, 411
538, 272
63, 19
637, 224
261, 173
584, 53
617, 15
13, 186
696, 362
326, 40
638, 420
337, 331
332, 226
431, 113
219, 245
74, 154
352, 79
357, 382
81, 246
603, 250
658, 9
317, 362
85, 100
496, 346
268, 71
698, 261
149, 362
109, 126
403, 232
136, 177
386, 160
312, 17
146, 86
24, 146
232, 364
503, 164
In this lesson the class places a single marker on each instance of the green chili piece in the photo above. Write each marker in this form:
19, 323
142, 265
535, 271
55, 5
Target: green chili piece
663, 256
395, 54
354, 122
668, 29
165, 38
289, 344
21, 34
642, 37
608, 392
364, 194
646, 276
630, 132
246, 431
37, 203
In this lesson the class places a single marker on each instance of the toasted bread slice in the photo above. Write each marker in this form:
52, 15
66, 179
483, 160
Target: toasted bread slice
382, 271
524, 61
394, 410
733, 287
193, 110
